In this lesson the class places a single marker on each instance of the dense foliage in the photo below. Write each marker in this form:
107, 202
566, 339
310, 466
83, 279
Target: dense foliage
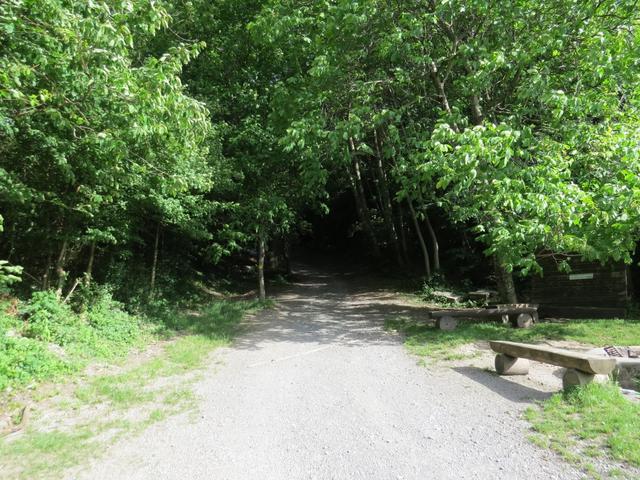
96, 137
42, 338
519, 119
138, 137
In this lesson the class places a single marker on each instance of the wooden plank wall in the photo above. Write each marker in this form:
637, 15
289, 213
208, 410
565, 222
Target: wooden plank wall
575, 294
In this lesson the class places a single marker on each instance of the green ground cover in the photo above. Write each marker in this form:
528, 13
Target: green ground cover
596, 421
130, 400
430, 342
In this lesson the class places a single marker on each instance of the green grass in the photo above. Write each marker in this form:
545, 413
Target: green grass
587, 422
428, 341
40, 454
45, 454
45, 339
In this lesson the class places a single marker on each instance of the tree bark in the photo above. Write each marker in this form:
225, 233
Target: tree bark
476, 110
154, 265
60, 267
434, 241
403, 236
47, 272
387, 208
438, 83
261, 255
89, 272
423, 245
504, 280
361, 201
287, 254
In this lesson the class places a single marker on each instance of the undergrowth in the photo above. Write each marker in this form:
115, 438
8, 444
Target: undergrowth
591, 421
142, 393
44, 338
429, 341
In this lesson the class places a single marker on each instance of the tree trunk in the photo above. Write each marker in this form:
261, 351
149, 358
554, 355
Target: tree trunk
47, 272
438, 83
434, 241
504, 280
504, 277
387, 208
361, 201
154, 265
287, 255
278, 255
423, 245
261, 254
73, 289
60, 267
89, 272
403, 236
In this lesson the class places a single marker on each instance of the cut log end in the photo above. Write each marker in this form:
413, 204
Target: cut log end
525, 320
506, 365
446, 323
575, 378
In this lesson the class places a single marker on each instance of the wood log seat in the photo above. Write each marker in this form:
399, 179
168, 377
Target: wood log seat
520, 315
513, 359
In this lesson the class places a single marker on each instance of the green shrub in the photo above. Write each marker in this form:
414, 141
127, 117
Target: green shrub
25, 359
99, 327
9, 274
49, 320
111, 321
8, 321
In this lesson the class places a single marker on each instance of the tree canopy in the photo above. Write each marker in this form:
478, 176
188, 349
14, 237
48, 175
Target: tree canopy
221, 121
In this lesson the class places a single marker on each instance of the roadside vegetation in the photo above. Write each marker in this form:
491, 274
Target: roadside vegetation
150, 146
44, 338
430, 342
54, 426
588, 424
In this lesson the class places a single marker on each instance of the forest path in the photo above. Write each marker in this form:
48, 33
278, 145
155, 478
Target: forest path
316, 389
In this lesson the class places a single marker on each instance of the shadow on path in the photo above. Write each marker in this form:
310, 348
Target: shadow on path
504, 387
328, 306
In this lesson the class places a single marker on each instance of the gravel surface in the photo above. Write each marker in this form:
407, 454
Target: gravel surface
318, 390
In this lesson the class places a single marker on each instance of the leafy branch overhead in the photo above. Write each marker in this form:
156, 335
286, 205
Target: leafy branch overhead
218, 125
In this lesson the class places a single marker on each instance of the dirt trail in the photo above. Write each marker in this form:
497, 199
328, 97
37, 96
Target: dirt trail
318, 390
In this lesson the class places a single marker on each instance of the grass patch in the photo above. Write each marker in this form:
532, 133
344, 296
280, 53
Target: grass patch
39, 454
44, 338
138, 391
428, 341
589, 422
203, 331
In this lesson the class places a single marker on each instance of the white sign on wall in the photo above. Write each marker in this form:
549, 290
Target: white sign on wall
581, 276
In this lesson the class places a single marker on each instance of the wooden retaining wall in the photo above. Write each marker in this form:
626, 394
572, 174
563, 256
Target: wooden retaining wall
589, 290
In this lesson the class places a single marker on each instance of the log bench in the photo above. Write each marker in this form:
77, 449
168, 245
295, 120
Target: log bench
513, 359
525, 315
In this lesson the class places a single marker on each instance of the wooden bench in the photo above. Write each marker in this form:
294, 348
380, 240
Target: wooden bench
513, 359
525, 315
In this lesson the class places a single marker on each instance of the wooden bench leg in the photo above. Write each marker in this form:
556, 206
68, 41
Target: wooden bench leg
524, 320
576, 378
506, 365
446, 323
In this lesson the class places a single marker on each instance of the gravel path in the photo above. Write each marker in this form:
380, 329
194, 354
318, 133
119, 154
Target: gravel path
318, 390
